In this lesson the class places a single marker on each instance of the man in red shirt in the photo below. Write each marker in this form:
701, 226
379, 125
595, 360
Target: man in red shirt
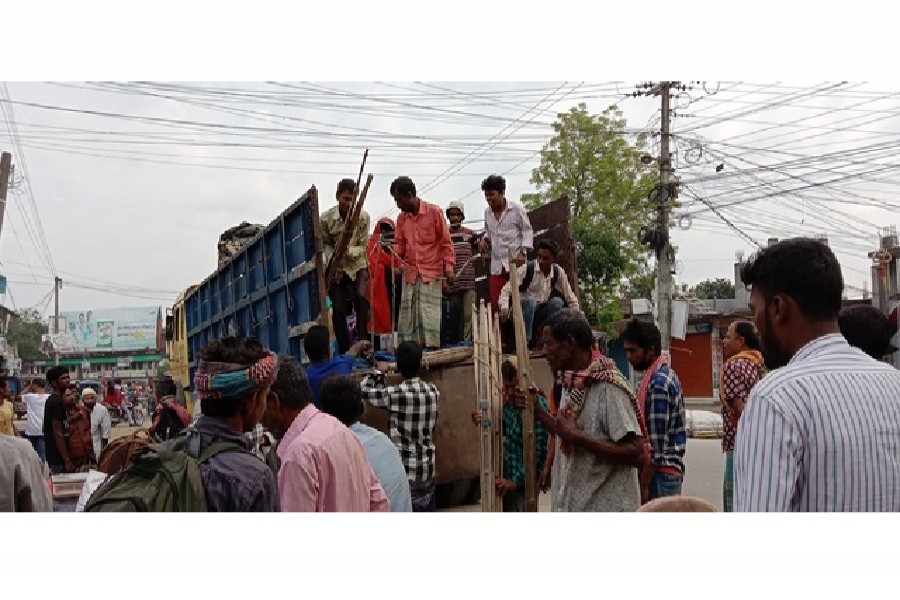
423, 244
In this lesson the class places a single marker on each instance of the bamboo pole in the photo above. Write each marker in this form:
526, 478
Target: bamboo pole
347, 234
496, 395
524, 372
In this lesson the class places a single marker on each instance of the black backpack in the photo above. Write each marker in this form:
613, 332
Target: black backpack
529, 276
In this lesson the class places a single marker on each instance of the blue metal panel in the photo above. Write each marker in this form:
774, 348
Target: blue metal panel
258, 292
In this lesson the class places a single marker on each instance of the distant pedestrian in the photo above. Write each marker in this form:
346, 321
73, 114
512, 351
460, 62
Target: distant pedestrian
35, 399
743, 369
101, 424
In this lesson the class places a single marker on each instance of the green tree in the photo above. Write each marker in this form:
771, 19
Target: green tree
25, 333
593, 161
600, 266
720, 289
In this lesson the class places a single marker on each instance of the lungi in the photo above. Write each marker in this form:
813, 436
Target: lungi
420, 313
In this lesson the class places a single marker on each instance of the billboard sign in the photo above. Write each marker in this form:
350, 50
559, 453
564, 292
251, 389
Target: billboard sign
107, 329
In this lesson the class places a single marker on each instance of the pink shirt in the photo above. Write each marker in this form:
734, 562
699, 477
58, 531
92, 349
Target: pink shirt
324, 468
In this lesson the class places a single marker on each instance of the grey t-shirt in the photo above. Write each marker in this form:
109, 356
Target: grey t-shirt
584, 482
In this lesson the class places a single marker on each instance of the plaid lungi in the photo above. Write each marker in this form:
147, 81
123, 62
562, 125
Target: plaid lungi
420, 313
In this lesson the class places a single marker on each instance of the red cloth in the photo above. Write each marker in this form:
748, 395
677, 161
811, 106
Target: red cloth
377, 294
495, 286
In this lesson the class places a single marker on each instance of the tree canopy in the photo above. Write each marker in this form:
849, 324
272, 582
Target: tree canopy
594, 161
25, 333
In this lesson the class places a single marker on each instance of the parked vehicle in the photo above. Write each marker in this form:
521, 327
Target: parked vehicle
272, 289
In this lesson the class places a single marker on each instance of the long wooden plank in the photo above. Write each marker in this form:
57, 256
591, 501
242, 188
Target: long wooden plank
482, 403
496, 396
524, 369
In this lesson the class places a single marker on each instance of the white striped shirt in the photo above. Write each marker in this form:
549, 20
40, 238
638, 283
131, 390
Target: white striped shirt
821, 434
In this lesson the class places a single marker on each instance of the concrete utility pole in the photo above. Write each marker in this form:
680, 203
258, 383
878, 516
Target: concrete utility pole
663, 263
57, 283
5, 170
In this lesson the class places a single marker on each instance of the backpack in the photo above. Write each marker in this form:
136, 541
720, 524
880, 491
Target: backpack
161, 478
118, 453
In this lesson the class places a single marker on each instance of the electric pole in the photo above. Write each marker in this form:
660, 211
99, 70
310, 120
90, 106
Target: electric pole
5, 169
57, 283
664, 260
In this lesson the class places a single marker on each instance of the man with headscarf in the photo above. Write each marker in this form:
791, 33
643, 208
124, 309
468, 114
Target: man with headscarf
232, 382
743, 368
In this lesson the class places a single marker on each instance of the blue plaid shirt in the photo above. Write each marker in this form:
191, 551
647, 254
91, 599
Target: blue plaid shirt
664, 413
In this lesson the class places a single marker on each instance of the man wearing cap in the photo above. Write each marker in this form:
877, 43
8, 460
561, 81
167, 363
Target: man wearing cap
351, 281
461, 293
101, 424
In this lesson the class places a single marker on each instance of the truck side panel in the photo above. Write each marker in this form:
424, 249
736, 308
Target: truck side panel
269, 290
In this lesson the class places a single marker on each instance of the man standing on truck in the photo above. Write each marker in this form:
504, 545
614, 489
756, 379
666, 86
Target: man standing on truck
413, 408
600, 446
506, 226
352, 274
462, 292
423, 244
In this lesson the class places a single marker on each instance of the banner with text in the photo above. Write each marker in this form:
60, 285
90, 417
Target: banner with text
108, 329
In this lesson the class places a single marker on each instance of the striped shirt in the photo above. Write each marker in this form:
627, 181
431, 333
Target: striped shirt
465, 266
821, 434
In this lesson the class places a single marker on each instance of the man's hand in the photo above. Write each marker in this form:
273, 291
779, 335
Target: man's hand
504, 314
360, 348
445, 286
521, 259
519, 399
477, 415
505, 485
544, 480
566, 427
484, 246
450, 277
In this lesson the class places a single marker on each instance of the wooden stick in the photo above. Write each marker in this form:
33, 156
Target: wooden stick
528, 437
482, 402
346, 235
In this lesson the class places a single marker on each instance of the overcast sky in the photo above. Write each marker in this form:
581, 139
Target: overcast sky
134, 183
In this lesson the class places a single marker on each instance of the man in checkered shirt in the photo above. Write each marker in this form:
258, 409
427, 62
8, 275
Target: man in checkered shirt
413, 407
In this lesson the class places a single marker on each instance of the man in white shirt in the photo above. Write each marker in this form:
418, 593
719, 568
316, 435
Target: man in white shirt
101, 424
506, 226
544, 288
34, 398
820, 432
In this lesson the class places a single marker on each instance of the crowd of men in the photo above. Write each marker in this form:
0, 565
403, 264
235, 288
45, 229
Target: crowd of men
417, 276
811, 421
